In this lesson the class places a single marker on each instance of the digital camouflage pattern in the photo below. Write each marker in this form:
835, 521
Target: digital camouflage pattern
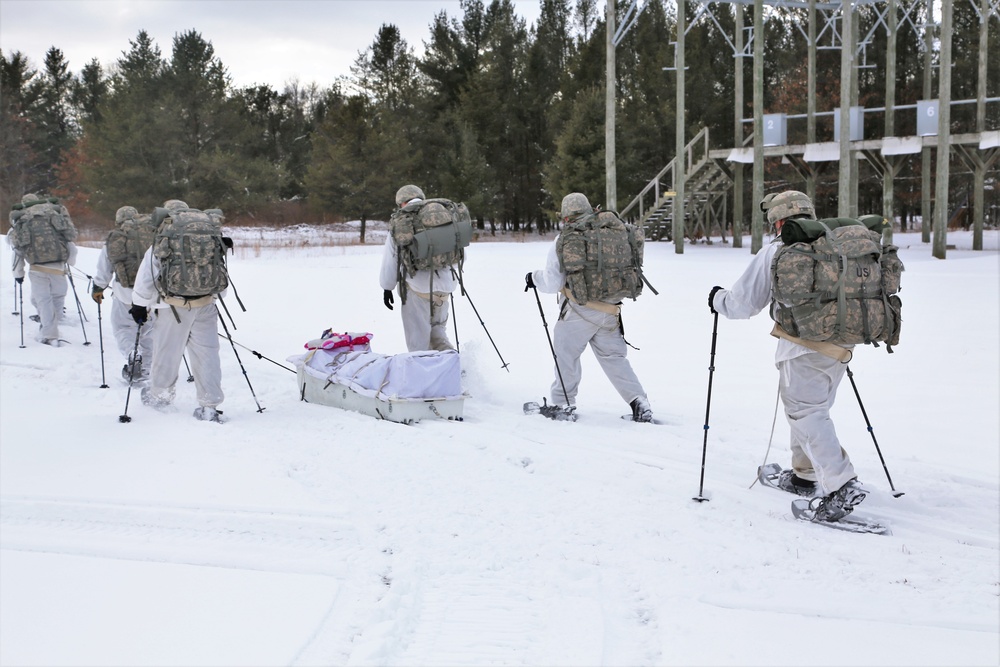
788, 204
602, 258
840, 288
192, 256
40, 230
126, 244
431, 234
408, 192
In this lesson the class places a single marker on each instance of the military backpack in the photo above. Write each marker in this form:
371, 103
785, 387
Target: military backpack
41, 231
126, 245
601, 256
192, 255
431, 234
834, 281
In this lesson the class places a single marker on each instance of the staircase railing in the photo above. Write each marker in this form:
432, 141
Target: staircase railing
651, 197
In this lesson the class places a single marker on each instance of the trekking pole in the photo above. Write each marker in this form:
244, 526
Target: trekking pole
260, 356
79, 307
16, 310
190, 377
454, 321
233, 343
100, 334
20, 311
124, 418
505, 364
850, 376
708, 408
541, 311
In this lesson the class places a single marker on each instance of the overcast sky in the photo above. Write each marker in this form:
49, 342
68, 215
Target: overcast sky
259, 41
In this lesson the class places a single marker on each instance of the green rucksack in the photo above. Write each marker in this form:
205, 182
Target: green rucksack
41, 231
126, 245
191, 252
431, 234
601, 256
835, 281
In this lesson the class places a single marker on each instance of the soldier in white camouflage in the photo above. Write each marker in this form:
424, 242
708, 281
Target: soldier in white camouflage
42, 236
424, 293
117, 266
808, 377
182, 322
587, 321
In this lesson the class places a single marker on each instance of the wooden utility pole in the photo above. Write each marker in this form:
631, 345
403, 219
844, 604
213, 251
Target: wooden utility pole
926, 212
679, 164
855, 167
610, 175
940, 245
979, 173
738, 170
889, 175
846, 66
757, 229
811, 97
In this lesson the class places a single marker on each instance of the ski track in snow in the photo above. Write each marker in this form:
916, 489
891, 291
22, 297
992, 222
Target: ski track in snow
218, 537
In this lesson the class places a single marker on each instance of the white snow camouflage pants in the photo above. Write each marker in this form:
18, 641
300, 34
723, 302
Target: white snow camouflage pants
577, 327
198, 332
808, 387
48, 295
423, 329
124, 328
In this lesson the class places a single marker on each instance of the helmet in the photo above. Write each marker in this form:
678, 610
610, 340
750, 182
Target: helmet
408, 192
787, 204
174, 204
574, 205
125, 213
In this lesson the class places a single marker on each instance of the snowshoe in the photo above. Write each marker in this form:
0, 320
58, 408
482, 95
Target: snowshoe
785, 480
132, 371
554, 412
209, 415
840, 503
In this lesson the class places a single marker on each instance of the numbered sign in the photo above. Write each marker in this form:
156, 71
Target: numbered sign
927, 117
775, 129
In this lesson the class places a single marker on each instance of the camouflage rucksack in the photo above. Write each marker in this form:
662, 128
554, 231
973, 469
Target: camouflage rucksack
127, 243
191, 252
431, 234
40, 231
839, 287
602, 258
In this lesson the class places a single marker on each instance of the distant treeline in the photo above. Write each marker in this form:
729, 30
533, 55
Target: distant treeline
503, 116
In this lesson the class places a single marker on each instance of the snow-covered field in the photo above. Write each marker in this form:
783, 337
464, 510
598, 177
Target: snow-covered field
306, 535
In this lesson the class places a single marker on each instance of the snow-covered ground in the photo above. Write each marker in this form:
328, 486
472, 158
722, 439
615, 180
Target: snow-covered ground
307, 535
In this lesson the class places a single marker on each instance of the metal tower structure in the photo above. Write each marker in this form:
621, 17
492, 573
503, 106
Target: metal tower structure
688, 197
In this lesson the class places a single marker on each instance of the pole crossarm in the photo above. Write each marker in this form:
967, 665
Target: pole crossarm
992, 9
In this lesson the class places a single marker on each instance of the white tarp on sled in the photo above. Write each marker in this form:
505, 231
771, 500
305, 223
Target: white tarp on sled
403, 388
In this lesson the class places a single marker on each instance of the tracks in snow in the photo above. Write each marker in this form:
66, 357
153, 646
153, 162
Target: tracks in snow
274, 541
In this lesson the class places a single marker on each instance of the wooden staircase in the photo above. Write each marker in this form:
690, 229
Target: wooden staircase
707, 183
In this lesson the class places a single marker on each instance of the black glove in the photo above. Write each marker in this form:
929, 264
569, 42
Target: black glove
139, 314
19, 281
228, 242
529, 282
711, 297
387, 298
97, 294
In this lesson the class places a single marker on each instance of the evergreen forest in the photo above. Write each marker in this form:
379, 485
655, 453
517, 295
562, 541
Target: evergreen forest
505, 116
